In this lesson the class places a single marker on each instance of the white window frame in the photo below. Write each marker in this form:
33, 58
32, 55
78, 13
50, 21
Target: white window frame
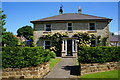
45, 27
68, 26
89, 26
45, 41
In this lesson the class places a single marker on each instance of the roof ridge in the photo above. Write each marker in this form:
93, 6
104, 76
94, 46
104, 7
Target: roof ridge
95, 16
68, 16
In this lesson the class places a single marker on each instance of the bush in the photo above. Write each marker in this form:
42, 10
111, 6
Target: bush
52, 54
98, 54
19, 57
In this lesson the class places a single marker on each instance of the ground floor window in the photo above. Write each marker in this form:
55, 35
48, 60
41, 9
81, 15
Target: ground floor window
47, 44
93, 43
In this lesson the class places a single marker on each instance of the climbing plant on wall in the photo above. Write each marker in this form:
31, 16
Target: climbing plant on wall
56, 41
83, 38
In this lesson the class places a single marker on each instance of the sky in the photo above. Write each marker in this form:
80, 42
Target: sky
20, 14
60, 0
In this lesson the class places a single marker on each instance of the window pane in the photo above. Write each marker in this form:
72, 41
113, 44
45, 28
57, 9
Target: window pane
93, 43
48, 27
92, 24
92, 28
70, 28
47, 43
69, 24
47, 47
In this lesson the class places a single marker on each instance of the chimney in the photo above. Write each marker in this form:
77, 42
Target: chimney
79, 10
61, 11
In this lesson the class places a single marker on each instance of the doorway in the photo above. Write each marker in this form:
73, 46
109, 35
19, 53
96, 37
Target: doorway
69, 47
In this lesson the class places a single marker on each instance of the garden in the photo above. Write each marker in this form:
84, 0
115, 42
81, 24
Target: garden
27, 62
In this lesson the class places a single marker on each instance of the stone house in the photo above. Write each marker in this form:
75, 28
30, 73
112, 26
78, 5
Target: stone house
70, 23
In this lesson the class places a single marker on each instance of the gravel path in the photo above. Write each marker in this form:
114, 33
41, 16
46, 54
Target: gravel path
64, 69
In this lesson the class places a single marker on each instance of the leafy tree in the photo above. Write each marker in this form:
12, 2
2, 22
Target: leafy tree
6, 37
9, 39
26, 31
2, 21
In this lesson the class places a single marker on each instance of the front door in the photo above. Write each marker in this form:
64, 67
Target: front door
69, 47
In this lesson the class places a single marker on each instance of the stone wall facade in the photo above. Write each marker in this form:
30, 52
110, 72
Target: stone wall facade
98, 67
102, 29
31, 72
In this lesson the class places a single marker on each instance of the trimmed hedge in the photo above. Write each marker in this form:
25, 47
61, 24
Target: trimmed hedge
98, 54
20, 57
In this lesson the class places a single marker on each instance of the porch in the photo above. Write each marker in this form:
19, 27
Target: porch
69, 47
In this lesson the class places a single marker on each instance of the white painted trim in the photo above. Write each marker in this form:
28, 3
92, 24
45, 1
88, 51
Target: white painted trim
89, 26
44, 44
62, 45
66, 46
72, 46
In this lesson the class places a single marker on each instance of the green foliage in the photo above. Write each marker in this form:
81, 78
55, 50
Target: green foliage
53, 62
2, 21
20, 57
52, 54
98, 54
98, 39
25, 31
9, 39
102, 75
104, 41
83, 38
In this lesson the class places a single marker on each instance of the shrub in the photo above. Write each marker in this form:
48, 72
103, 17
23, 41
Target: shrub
52, 54
19, 57
98, 54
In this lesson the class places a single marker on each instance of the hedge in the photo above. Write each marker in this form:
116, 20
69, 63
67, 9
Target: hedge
19, 57
98, 54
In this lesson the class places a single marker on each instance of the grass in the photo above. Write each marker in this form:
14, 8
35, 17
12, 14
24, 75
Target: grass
107, 74
53, 62
76, 61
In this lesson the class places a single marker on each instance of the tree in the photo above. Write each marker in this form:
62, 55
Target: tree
2, 21
9, 39
26, 31
6, 37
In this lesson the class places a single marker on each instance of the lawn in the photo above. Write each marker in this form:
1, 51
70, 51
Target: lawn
53, 62
76, 61
107, 74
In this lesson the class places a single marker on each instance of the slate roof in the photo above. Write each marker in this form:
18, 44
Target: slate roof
114, 38
71, 16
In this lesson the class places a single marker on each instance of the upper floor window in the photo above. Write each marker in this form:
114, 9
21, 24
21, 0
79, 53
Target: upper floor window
69, 25
91, 26
48, 27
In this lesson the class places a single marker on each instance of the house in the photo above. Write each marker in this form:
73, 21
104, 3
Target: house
71, 23
114, 40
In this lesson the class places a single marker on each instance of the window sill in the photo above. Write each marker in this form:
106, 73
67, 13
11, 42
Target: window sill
92, 31
70, 31
47, 32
